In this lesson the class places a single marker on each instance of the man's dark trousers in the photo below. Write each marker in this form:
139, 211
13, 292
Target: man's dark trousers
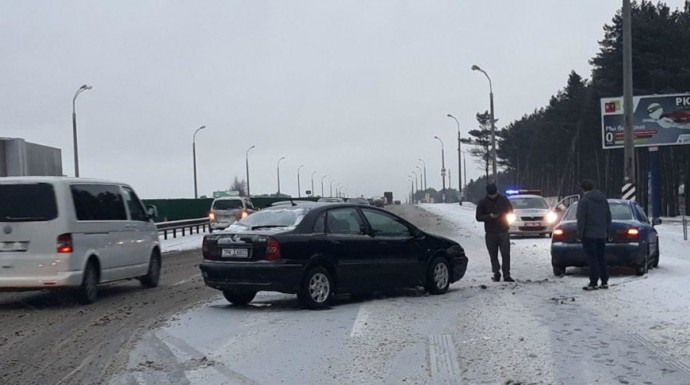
494, 242
595, 248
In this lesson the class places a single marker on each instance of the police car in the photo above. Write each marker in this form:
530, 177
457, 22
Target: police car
531, 214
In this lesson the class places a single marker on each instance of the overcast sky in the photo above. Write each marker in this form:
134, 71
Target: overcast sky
354, 90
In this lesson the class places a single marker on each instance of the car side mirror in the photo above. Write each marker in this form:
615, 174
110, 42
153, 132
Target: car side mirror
152, 211
656, 221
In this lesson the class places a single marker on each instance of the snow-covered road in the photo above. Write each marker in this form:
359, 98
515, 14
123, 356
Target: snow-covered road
541, 329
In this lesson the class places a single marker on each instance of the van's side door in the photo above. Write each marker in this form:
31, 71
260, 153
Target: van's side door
142, 232
101, 225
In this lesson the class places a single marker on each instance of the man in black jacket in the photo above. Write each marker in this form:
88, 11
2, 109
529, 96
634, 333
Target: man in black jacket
493, 210
593, 222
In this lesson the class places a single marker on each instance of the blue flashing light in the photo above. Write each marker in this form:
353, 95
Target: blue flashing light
512, 192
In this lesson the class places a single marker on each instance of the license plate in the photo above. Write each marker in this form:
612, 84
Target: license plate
533, 224
235, 253
14, 246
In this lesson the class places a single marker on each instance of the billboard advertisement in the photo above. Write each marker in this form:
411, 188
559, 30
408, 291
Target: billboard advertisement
658, 120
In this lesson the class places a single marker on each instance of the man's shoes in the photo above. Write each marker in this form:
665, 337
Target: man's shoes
604, 286
496, 277
508, 279
590, 287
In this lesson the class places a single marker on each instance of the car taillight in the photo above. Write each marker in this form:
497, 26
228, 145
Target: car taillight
628, 235
557, 234
64, 243
204, 248
272, 250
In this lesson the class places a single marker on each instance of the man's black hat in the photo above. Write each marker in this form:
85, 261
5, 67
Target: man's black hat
491, 189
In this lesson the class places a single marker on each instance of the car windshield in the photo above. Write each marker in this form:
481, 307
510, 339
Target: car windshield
27, 202
528, 203
227, 204
274, 217
619, 211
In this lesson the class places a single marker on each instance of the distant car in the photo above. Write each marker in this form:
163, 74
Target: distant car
331, 199
531, 215
359, 201
632, 241
227, 210
316, 250
379, 201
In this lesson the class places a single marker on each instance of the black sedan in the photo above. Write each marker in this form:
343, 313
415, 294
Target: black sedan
317, 250
632, 241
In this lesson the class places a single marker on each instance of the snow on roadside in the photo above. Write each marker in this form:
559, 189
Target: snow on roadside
181, 243
655, 307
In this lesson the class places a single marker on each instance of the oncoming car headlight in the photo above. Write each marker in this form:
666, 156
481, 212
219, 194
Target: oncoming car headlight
551, 217
511, 218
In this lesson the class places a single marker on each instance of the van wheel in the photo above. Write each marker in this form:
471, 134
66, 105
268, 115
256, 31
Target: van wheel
154, 273
88, 290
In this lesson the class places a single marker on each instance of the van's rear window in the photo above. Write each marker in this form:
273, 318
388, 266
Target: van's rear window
27, 202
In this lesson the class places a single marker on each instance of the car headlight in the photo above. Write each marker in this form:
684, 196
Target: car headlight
511, 218
212, 216
551, 217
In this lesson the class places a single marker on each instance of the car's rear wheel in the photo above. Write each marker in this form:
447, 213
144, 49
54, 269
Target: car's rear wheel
558, 271
88, 290
655, 260
438, 276
154, 272
318, 289
239, 297
644, 267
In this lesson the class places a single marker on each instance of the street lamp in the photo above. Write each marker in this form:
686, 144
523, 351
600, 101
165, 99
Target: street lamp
416, 181
424, 163
459, 160
312, 183
322, 178
493, 125
299, 188
332, 180
74, 128
246, 162
443, 170
421, 173
278, 172
194, 157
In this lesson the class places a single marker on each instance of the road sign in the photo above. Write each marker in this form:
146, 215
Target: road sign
628, 192
658, 120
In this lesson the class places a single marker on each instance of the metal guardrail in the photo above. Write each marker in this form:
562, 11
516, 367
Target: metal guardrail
183, 226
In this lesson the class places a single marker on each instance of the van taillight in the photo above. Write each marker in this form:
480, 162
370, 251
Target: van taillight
272, 250
64, 243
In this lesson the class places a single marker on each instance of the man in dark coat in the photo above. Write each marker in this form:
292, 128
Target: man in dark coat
593, 222
493, 210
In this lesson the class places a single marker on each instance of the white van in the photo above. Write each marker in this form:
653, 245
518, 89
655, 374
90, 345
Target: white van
228, 210
58, 232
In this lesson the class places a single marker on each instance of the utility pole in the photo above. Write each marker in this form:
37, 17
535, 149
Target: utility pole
628, 191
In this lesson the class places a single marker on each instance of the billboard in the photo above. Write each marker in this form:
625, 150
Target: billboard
658, 120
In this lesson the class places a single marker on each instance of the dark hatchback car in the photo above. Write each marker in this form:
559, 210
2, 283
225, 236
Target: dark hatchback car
632, 241
317, 250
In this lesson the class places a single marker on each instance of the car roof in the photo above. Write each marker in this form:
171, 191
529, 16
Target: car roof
230, 198
56, 179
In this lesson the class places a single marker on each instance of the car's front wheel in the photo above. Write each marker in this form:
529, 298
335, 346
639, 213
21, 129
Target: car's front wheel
239, 297
558, 271
318, 289
438, 276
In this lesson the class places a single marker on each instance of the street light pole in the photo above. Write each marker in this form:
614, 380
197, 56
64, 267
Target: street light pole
299, 188
459, 159
278, 173
421, 173
424, 163
246, 163
331, 194
322, 178
416, 185
194, 158
312, 183
493, 123
74, 127
443, 169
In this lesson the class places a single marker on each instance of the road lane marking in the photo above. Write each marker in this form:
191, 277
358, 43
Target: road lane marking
443, 360
360, 322
182, 282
